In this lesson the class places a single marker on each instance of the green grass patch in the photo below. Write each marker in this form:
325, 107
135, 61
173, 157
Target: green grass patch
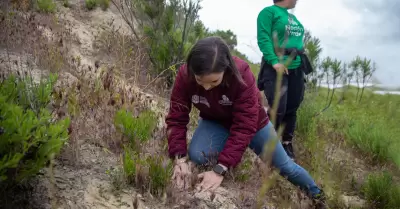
46, 6
381, 191
371, 124
146, 171
137, 129
91, 4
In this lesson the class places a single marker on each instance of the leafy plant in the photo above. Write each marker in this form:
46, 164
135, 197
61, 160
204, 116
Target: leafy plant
30, 136
47, 6
152, 172
91, 4
137, 130
130, 161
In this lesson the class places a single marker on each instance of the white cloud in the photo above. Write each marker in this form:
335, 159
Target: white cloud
344, 31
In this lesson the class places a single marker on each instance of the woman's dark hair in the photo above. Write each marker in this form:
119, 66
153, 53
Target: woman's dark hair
212, 55
276, 1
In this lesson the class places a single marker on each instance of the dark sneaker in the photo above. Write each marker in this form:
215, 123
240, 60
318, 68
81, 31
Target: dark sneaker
319, 201
289, 149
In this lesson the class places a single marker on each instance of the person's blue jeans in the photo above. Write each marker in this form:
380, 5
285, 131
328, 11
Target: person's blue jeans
210, 137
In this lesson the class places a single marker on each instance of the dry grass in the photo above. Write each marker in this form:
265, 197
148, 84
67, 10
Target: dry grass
42, 33
125, 53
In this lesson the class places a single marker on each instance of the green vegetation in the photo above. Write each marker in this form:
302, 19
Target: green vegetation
91, 4
169, 30
381, 191
29, 136
160, 173
137, 130
145, 171
368, 127
47, 6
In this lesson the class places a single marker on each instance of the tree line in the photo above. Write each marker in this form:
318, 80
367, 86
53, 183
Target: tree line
334, 71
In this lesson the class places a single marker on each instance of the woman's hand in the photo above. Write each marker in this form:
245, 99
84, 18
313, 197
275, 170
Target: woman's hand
281, 68
211, 181
182, 174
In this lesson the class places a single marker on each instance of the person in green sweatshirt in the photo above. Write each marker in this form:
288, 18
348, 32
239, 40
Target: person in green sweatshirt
280, 39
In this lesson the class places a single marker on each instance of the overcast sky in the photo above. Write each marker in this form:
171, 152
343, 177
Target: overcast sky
346, 28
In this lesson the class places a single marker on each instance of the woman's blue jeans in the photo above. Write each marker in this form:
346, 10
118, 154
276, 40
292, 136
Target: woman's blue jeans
210, 138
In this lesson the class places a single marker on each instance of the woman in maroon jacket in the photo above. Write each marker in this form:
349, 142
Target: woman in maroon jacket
223, 89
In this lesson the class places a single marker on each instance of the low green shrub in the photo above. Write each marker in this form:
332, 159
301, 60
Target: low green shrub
146, 172
381, 191
137, 129
91, 4
160, 173
30, 136
47, 6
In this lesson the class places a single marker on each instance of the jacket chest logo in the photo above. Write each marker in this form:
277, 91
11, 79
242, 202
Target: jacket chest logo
196, 99
225, 101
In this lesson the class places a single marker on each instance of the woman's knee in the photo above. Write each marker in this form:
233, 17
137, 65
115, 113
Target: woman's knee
281, 161
262, 137
287, 168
